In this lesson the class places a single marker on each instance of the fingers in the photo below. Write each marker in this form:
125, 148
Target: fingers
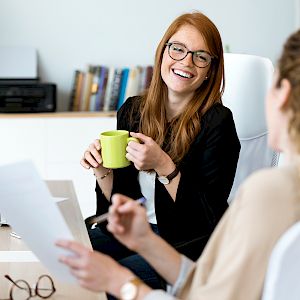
115, 219
77, 261
143, 138
73, 246
92, 157
118, 199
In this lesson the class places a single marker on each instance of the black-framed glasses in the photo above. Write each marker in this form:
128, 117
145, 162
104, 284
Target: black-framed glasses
21, 289
178, 51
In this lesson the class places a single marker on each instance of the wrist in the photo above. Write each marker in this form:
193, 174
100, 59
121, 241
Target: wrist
144, 244
118, 278
101, 172
130, 287
166, 166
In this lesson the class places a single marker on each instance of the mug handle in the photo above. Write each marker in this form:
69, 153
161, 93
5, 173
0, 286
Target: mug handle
132, 139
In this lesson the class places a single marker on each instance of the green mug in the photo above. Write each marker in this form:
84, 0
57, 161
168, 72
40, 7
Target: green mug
113, 148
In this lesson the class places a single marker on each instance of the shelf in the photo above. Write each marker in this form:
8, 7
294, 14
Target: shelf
83, 114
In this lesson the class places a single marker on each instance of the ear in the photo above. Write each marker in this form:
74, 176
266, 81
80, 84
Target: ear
283, 92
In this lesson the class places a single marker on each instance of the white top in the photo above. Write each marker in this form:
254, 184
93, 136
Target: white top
147, 184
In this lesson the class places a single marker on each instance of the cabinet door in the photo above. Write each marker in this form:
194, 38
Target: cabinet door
67, 139
23, 138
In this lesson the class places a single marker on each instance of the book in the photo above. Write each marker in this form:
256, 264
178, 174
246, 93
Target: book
125, 73
149, 73
87, 89
132, 83
115, 89
95, 88
73, 90
107, 96
79, 88
101, 90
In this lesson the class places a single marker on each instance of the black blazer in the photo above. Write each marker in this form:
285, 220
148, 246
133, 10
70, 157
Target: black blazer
207, 174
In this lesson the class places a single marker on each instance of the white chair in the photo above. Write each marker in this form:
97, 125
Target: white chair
247, 79
283, 274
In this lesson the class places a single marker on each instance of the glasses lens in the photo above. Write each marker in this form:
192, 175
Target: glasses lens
201, 59
177, 51
45, 287
20, 290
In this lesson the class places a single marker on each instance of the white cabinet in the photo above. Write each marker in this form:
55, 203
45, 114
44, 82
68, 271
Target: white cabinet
55, 143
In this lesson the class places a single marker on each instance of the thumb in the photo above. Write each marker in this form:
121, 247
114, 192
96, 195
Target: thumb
142, 137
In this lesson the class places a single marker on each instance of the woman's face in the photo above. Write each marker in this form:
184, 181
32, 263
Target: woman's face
183, 77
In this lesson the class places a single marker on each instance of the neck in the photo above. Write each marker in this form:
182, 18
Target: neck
176, 104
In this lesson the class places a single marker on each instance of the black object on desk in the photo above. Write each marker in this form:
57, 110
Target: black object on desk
27, 96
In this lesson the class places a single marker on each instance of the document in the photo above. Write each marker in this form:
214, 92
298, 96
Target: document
17, 256
29, 208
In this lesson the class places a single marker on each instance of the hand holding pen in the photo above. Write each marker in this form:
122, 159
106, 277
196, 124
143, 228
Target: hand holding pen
102, 218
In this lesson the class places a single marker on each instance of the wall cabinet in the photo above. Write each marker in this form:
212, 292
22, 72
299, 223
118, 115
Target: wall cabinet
55, 143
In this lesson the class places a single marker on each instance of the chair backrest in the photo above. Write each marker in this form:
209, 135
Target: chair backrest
247, 79
283, 274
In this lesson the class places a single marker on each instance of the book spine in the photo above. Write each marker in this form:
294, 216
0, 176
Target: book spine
115, 89
124, 80
104, 75
85, 105
79, 88
95, 88
110, 78
73, 90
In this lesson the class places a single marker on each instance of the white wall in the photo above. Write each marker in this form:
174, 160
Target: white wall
69, 34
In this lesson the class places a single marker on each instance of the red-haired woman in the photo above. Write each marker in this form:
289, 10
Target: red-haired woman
187, 158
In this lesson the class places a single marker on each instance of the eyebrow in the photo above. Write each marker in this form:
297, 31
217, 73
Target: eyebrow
199, 50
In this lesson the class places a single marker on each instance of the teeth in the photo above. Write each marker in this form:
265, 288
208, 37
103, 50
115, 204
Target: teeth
183, 74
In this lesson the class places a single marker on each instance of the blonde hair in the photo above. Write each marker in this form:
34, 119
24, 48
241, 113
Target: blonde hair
185, 127
289, 68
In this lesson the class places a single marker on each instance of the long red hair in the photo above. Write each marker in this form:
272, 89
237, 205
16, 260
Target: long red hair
186, 126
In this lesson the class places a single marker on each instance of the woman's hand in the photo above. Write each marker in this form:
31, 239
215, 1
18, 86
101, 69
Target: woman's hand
146, 155
93, 270
91, 157
128, 222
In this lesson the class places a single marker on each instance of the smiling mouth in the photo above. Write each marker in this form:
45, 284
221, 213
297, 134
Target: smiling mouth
182, 74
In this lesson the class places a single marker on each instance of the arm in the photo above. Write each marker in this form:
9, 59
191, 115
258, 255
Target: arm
92, 159
128, 221
149, 156
207, 173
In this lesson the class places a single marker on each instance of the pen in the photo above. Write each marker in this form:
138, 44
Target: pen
102, 218
13, 234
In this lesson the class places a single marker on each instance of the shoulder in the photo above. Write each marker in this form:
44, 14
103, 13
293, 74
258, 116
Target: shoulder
269, 190
218, 113
130, 103
218, 122
130, 108
218, 117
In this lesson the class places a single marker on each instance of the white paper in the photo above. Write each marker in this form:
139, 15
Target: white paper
32, 213
17, 256
18, 62
59, 199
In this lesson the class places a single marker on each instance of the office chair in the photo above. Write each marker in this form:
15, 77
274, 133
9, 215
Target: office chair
283, 273
247, 79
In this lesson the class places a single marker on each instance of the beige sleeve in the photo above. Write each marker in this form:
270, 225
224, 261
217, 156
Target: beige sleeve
234, 262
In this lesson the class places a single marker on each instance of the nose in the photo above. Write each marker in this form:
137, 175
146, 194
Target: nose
189, 58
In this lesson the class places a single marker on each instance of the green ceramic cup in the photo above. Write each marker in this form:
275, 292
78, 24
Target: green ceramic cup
113, 148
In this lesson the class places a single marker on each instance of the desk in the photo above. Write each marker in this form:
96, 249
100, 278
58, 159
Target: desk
30, 271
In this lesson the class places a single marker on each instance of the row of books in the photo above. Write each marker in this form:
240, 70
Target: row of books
104, 88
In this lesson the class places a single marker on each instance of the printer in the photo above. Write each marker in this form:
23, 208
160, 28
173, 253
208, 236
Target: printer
20, 89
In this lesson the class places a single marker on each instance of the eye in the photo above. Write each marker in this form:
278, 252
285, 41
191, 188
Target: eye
202, 56
177, 48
